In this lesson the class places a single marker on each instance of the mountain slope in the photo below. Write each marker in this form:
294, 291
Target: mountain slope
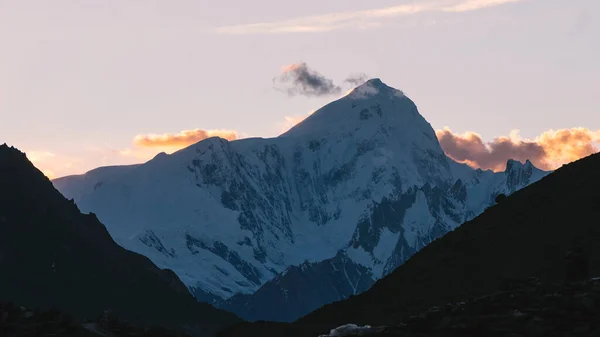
526, 235
301, 289
52, 256
363, 178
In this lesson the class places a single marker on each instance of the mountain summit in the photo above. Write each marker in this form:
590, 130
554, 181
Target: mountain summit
381, 125
340, 200
361, 111
372, 109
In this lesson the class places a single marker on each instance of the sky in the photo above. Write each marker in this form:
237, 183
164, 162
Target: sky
89, 83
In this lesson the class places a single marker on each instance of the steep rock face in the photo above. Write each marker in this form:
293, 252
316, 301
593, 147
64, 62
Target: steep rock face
361, 183
390, 232
307, 287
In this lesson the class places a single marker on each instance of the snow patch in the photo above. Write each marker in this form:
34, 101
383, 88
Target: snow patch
384, 249
364, 91
348, 330
414, 224
360, 256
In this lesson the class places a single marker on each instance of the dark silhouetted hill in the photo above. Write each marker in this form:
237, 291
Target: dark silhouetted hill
526, 235
52, 256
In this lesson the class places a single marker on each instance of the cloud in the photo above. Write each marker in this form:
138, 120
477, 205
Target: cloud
548, 151
147, 146
359, 19
567, 145
298, 79
322, 23
356, 79
473, 5
181, 139
144, 148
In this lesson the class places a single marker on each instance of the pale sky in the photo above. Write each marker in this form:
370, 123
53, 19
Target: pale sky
80, 79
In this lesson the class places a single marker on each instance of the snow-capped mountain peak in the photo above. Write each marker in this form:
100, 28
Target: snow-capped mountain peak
378, 124
362, 181
366, 110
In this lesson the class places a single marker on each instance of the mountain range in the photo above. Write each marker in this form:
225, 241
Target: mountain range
272, 229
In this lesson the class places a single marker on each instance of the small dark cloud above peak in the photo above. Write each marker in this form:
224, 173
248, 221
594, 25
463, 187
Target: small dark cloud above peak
299, 79
356, 79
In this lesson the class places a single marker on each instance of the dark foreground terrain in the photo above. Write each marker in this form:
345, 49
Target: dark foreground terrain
519, 309
18, 321
52, 256
525, 235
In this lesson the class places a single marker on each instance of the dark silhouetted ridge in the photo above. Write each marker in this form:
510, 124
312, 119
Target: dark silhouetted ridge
52, 256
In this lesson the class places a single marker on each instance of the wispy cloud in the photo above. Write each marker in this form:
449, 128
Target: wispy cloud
549, 150
356, 79
359, 19
181, 139
473, 5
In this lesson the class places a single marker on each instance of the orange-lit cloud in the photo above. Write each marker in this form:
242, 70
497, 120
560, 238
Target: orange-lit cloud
548, 151
181, 139
149, 145
144, 148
